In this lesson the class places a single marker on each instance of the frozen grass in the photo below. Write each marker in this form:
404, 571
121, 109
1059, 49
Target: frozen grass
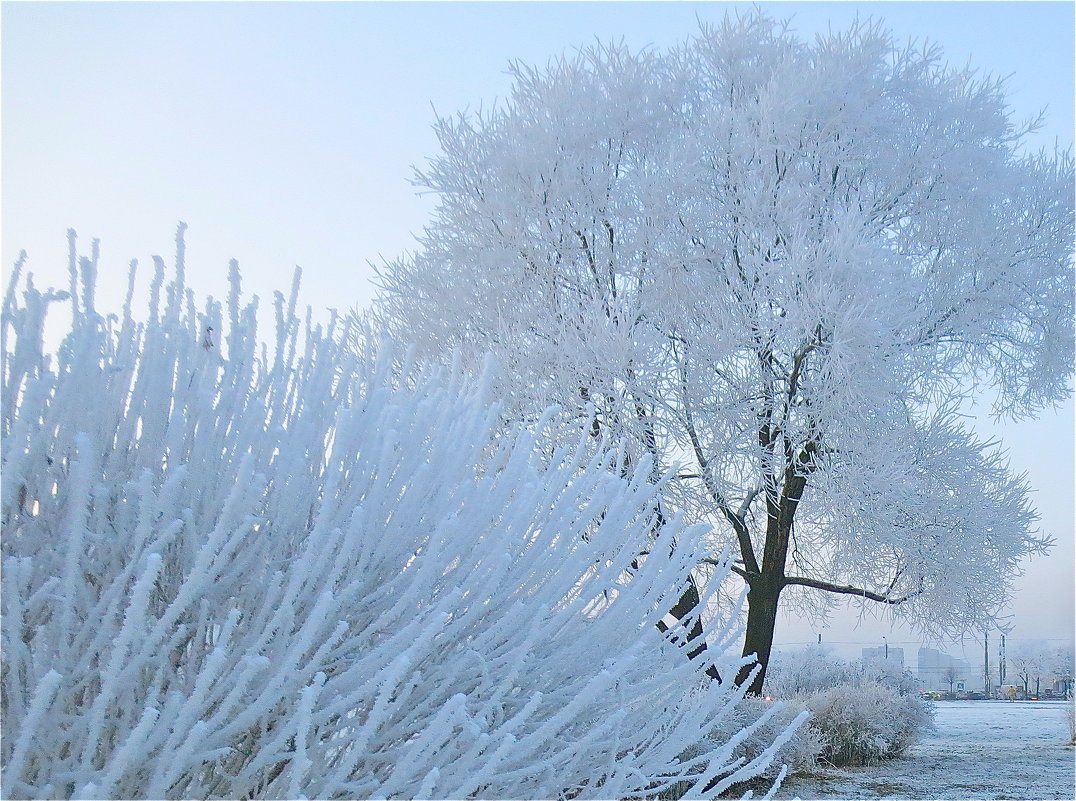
979, 750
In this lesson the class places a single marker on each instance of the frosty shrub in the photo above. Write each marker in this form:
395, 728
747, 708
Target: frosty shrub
860, 711
812, 670
808, 670
863, 723
237, 571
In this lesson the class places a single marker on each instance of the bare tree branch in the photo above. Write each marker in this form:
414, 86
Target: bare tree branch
803, 581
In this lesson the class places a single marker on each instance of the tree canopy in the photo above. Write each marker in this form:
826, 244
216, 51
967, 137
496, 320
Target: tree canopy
785, 266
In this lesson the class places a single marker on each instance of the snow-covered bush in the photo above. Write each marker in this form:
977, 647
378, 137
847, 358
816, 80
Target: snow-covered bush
815, 669
232, 571
861, 711
862, 723
807, 671
890, 674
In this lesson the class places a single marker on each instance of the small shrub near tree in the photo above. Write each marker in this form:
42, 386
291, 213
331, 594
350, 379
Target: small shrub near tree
864, 723
861, 712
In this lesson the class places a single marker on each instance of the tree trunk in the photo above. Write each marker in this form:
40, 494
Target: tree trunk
761, 620
765, 584
687, 604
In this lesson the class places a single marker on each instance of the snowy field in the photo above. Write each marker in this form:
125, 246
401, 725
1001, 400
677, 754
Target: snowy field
981, 749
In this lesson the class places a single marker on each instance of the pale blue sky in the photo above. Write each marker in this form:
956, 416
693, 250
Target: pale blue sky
284, 133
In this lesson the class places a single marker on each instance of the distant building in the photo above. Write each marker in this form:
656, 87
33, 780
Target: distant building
935, 670
895, 656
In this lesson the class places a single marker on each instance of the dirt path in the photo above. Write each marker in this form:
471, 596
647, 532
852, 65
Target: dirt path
981, 750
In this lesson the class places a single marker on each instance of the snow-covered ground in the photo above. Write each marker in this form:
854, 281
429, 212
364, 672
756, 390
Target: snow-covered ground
980, 750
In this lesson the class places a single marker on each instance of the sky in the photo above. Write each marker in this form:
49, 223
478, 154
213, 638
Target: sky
286, 134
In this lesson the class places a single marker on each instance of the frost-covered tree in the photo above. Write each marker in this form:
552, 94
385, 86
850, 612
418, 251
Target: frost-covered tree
1032, 661
786, 266
1062, 661
239, 572
952, 674
1061, 666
